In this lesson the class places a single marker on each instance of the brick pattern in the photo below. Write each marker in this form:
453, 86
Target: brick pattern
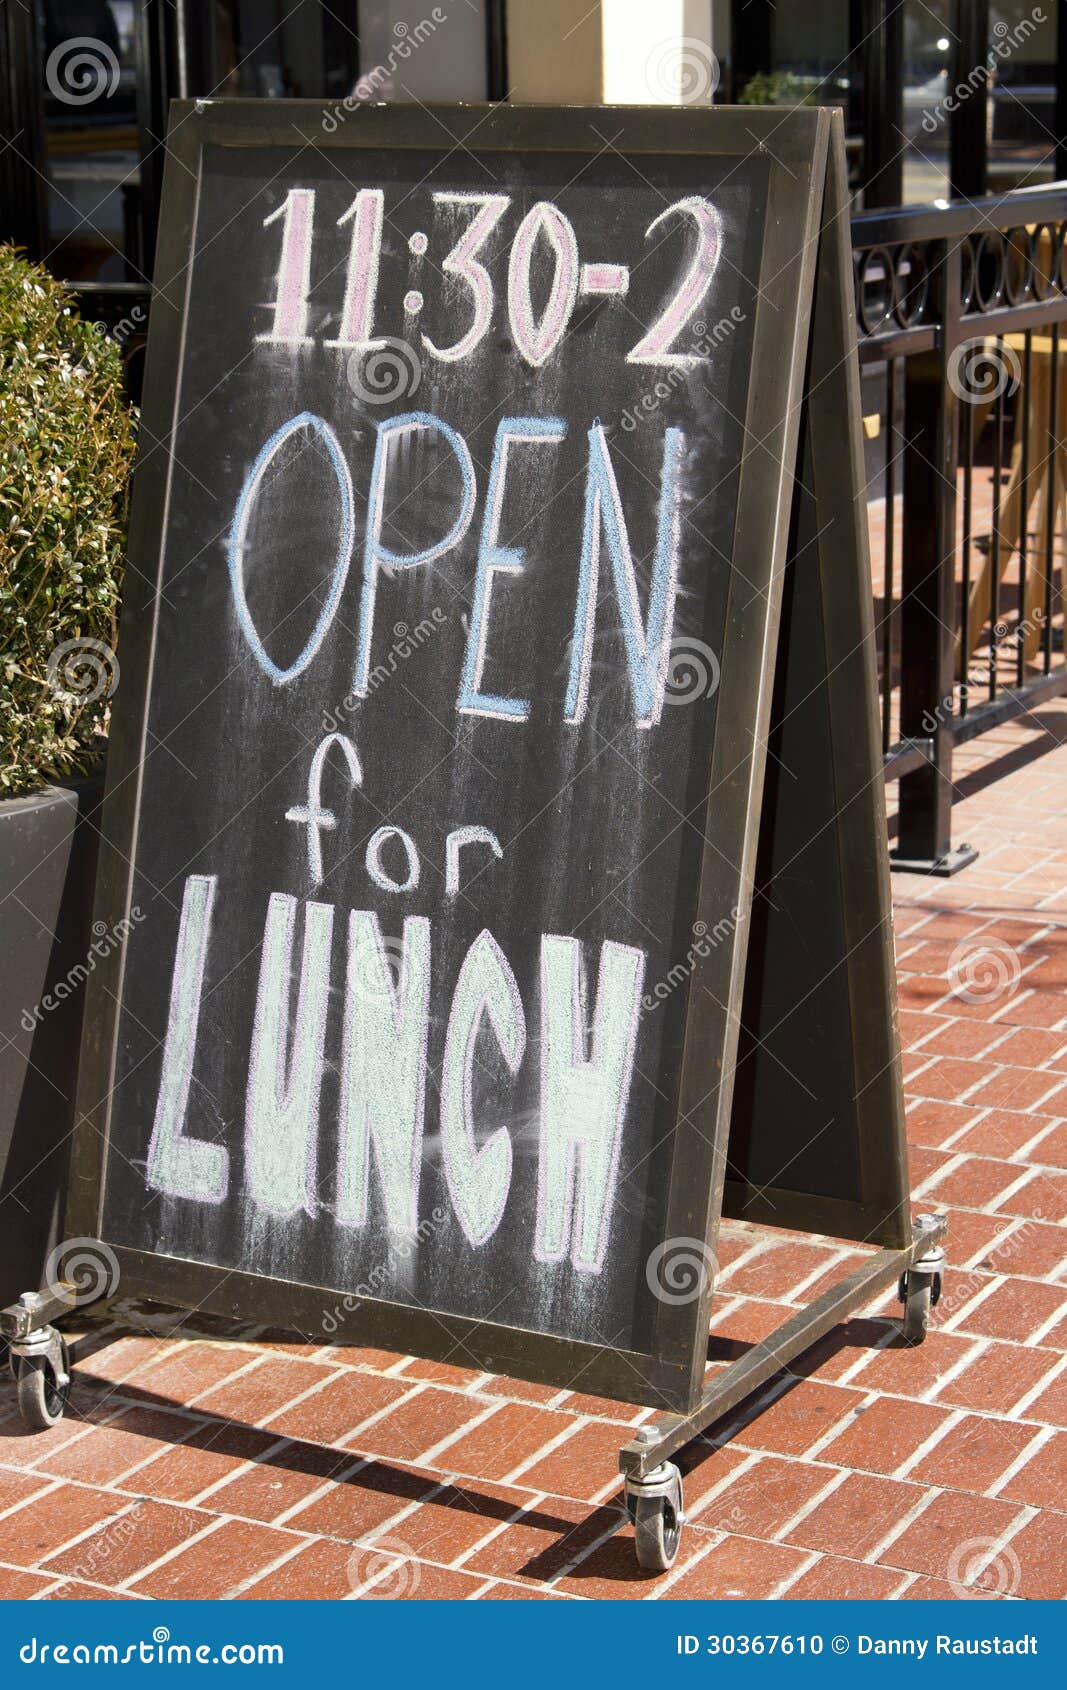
222, 1462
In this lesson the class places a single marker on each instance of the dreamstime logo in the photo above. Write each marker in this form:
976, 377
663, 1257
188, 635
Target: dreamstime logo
706, 339
82, 1270
1007, 638
105, 939
978, 372
1006, 1254
402, 1246
680, 1270
389, 369
121, 331
157, 1651
979, 1569
982, 970
384, 1569
80, 70
692, 671
406, 38
704, 942
378, 971
1005, 42
683, 72
99, 1551
406, 641
81, 671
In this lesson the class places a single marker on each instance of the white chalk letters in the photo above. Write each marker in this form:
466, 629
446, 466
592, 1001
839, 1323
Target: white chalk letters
646, 633
583, 1081
285, 1072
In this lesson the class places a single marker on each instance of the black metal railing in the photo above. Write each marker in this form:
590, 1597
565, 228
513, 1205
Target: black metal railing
959, 312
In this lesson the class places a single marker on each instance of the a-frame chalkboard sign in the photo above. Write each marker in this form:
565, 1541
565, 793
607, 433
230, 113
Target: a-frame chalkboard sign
497, 618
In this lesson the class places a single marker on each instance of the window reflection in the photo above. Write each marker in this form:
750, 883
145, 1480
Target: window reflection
929, 47
1023, 115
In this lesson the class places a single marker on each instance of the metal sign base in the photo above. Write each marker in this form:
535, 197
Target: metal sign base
654, 1484
40, 1364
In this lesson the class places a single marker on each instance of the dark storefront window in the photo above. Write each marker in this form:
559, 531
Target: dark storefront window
784, 55
284, 49
1023, 123
110, 66
929, 58
105, 64
423, 52
780, 55
1015, 77
91, 137
914, 87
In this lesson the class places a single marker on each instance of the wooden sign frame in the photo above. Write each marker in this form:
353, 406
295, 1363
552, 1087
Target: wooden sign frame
805, 238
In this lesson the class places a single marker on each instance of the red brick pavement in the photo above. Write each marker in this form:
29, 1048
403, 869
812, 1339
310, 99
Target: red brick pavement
879, 1471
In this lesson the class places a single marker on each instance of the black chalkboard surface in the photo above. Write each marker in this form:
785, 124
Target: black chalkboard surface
464, 507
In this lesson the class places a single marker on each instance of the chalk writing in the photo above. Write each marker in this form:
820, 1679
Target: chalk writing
584, 1081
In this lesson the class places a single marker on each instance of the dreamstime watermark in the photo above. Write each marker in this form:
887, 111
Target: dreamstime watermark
684, 72
81, 70
82, 1270
155, 1651
1006, 40
692, 671
385, 1569
81, 671
401, 1249
100, 1549
980, 372
705, 341
406, 641
105, 941
681, 1270
407, 38
121, 331
983, 970
978, 1568
959, 1288
705, 940
386, 370
1006, 635
376, 973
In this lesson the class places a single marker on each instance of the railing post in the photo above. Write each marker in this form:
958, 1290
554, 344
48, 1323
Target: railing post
928, 610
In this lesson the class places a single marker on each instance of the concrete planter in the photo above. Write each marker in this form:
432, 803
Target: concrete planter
47, 866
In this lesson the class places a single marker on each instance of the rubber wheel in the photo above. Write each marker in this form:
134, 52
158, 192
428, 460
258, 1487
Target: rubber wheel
917, 1313
41, 1403
658, 1532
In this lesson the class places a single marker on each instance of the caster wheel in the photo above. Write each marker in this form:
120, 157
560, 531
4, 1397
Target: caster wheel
658, 1532
917, 1315
919, 1293
42, 1402
654, 1504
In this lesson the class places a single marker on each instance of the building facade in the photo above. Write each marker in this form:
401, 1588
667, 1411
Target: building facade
942, 98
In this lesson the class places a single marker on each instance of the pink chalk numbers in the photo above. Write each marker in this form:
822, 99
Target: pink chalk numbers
470, 221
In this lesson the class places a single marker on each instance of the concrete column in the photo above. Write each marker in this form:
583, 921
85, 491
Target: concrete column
626, 52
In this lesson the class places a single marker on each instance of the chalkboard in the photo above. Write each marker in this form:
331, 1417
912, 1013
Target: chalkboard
447, 661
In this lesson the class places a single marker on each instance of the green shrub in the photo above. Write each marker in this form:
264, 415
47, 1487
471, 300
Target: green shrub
777, 88
66, 446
